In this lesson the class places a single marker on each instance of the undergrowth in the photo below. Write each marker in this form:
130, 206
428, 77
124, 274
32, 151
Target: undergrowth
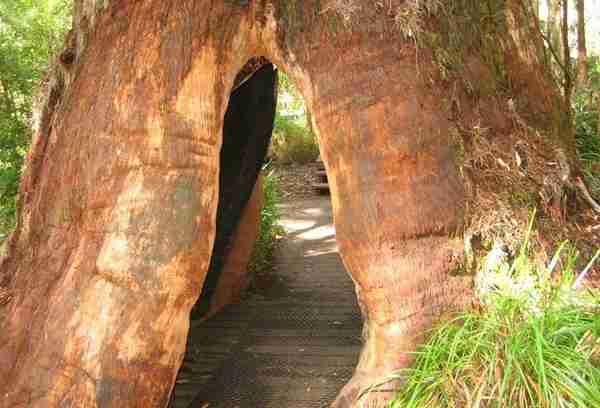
534, 342
586, 114
262, 255
292, 142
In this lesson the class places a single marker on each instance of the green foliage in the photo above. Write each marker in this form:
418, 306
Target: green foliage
30, 33
293, 142
293, 139
262, 256
290, 98
536, 343
586, 116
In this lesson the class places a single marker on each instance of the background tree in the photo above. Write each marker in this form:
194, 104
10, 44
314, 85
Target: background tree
582, 68
553, 26
566, 50
30, 33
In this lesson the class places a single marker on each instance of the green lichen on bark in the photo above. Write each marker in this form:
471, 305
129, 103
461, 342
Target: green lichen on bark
498, 93
462, 28
292, 16
499, 37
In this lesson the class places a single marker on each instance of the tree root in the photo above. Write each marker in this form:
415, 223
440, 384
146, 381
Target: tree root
580, 185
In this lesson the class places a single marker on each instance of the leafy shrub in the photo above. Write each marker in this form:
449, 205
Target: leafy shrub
30, 33
262, 256
293, 142
536, 343
293, 139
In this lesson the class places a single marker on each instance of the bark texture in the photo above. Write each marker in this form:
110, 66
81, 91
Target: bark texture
582, 69
119, 200
553, 26
234, 279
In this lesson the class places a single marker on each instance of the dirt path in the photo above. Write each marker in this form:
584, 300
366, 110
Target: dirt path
290, 344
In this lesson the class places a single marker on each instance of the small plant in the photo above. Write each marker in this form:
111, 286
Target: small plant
262, 256
535, 342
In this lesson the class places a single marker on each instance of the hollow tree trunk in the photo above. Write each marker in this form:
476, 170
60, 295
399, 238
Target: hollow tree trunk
247, 129
119, 198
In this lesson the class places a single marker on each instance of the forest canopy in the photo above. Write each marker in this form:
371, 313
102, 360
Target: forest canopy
31, 32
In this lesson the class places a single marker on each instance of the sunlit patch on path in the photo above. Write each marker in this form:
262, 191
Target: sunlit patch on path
294, 341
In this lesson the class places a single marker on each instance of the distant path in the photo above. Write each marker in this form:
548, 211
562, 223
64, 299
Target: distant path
294, 341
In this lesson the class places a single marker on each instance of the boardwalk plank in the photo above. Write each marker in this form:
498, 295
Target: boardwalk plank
293, 345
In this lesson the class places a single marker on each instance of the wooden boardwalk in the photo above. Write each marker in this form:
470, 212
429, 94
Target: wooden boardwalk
293, 342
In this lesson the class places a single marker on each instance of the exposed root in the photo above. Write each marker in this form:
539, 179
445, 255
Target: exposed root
510, 173
585, 193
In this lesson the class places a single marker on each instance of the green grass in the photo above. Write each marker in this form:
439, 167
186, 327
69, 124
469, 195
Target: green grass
534, 343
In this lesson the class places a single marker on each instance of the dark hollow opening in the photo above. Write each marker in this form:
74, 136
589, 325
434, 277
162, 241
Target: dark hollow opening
247, 130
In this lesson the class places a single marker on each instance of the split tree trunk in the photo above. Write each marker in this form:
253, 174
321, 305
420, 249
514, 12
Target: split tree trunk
119, 198
247, 129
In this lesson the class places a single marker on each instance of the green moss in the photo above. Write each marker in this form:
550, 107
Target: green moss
295, 16
460, 29
335, 24
460, 270
523, 199
240, 3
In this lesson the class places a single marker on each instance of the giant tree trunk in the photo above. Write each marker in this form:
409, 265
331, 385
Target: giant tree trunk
119, 198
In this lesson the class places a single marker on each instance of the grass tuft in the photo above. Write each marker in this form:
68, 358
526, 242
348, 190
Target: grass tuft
535, 342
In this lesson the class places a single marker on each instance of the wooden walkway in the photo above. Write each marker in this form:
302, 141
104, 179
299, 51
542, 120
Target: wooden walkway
293, 342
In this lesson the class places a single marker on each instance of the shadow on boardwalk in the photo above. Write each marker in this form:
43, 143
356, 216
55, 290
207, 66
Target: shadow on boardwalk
290, 344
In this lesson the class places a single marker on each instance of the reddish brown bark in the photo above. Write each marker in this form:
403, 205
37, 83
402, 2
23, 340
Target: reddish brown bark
234, 276
119, 198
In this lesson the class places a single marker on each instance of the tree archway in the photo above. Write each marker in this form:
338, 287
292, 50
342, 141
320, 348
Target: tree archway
119, 200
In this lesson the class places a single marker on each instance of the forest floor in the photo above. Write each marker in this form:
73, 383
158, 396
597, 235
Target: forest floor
296, 180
